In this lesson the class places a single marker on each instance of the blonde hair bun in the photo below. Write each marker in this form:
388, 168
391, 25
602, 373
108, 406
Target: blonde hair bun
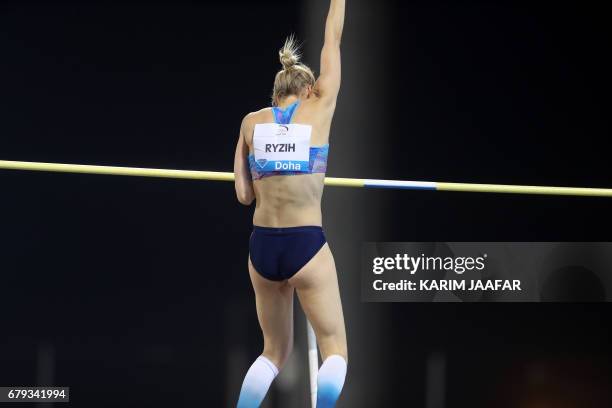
289, 54
294, 77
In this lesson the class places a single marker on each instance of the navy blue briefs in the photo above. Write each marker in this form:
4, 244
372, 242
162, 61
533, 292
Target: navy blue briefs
279, 253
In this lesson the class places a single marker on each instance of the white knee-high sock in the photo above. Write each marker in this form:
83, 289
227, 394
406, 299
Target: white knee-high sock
330, 381
256, 383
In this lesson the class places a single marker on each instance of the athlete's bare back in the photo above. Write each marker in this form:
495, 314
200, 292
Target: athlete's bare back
287, 201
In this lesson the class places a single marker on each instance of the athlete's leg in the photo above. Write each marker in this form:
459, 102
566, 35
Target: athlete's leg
317, 287
274, 301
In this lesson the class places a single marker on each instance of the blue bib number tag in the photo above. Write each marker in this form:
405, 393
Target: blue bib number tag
282, 147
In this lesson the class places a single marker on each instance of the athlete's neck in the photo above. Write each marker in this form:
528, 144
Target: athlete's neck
288, 100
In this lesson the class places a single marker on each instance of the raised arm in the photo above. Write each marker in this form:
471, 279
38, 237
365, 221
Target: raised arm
242, 176
328, 84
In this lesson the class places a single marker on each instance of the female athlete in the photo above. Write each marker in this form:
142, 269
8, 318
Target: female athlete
280, 162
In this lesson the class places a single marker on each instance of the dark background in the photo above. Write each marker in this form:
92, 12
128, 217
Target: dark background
138, 289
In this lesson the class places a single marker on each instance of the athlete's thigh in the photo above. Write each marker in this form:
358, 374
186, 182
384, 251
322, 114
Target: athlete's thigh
317, 288
274, 301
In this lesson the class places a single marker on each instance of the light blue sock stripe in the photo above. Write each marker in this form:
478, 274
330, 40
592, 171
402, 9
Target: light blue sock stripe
330, 381
328, 394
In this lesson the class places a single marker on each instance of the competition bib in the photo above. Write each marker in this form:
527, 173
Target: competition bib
282, 147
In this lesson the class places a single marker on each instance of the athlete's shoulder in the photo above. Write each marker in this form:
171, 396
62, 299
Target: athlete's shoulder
253, 118
324, 102
250, 120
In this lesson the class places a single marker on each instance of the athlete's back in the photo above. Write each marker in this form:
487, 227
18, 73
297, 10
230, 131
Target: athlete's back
291, 200
288, 198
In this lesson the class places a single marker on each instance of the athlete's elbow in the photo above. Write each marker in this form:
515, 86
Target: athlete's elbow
246, 201
245, 197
